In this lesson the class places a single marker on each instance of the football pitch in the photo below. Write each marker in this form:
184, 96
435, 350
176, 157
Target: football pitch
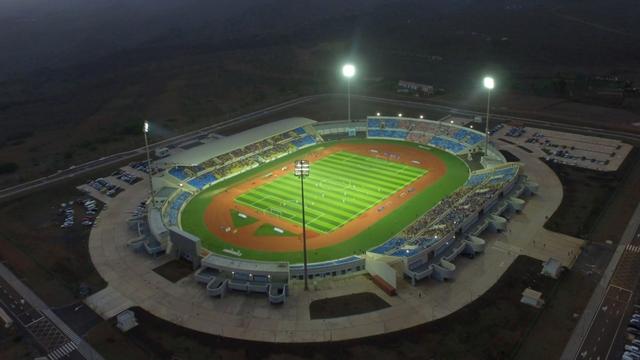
340, 188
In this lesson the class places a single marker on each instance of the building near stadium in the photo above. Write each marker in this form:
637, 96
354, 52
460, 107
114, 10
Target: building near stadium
395, 197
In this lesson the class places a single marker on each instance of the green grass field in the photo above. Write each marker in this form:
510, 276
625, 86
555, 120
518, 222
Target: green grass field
355, 182
192, 216
239, 221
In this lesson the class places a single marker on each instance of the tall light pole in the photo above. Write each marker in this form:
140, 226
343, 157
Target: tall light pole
489, 84
301, 170
348, 70
145, 130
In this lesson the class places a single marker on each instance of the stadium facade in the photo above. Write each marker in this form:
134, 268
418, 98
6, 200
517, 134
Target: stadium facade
426, 248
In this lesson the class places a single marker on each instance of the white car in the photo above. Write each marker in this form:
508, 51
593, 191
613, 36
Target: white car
630, 355
632, 348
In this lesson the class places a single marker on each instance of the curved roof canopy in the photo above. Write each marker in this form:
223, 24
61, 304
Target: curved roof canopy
216, 147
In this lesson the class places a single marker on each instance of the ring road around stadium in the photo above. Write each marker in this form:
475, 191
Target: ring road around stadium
388, 196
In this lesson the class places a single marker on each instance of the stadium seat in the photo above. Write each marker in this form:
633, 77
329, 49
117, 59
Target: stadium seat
447, 144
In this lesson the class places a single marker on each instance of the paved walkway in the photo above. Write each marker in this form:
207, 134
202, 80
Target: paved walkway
132, 281
525, 234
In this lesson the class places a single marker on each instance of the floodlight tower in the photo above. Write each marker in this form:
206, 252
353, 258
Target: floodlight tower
348, 71
301, 170
489, 84
145, 130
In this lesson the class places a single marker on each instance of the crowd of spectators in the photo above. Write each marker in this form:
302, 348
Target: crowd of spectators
276, 151
234, 168
446, 144
419, 137
467, 136
240, 159
443, 219
398, 134
175, 206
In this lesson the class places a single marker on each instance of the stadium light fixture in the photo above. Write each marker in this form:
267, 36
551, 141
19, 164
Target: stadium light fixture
348, 71
489, 84
302, 170
145, 130
377, 114
399, 114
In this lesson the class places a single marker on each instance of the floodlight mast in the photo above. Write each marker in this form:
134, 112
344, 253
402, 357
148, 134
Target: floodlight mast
145, 130
489, 84
301, 170
348, 71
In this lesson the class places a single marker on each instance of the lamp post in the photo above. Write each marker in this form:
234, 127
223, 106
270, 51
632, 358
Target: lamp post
301, 170
348, 70
489, 84
145, 130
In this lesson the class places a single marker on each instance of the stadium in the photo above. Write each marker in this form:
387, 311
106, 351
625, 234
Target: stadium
392, 197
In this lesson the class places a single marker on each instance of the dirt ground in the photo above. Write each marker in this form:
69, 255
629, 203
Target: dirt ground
346, 305
54, 262
586, 193
174, 270
218, 215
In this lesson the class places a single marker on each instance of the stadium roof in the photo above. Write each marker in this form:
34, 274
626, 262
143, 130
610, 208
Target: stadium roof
217, 147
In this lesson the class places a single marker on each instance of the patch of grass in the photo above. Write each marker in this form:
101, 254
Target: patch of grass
239, 221
268, 230
457, 173
355, 182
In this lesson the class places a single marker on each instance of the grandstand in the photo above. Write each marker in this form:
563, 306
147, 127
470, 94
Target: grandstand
426, 247
452, 138
204, 165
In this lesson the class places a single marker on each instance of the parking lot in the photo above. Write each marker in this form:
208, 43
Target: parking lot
589, 152
108, 187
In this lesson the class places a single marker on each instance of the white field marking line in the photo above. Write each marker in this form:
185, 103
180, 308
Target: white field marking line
624, 309
404, 167
344, 187
268, 210
282, 214
314, 219
372, 205
384, 162
362, 166
341, 186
